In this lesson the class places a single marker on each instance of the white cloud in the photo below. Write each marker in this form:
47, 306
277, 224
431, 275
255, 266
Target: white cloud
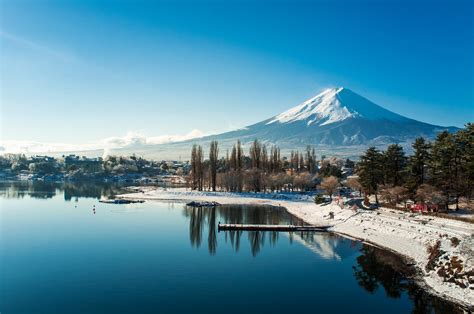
130, 140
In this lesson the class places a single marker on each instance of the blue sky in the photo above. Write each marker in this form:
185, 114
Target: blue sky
79, 71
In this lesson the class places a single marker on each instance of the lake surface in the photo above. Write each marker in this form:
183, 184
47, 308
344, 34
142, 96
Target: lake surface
61, 251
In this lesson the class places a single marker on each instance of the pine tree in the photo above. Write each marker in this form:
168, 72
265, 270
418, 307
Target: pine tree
465, 141
370, 172
394, 165
418, 164
445, 164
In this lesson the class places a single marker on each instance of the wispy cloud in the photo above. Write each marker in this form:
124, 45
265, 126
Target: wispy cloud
43, 49
134, 140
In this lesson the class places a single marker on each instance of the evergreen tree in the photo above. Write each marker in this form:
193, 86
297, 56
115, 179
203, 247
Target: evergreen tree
418, 164
349, 164
465, 142
370, 171
445, 164
394, 165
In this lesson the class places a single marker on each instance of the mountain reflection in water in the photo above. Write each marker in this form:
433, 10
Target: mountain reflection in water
375, 269
171, 250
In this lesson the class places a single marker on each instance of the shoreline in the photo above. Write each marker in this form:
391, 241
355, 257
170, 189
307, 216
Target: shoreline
400, 232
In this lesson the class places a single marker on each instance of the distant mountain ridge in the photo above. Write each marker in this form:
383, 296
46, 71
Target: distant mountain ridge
336, 117
337, 121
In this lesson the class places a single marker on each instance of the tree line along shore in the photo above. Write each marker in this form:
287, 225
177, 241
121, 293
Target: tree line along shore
439, 173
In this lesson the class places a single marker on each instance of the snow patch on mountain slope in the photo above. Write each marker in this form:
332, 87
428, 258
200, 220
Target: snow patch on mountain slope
324, 108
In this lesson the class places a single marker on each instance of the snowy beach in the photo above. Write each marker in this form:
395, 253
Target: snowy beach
450, 270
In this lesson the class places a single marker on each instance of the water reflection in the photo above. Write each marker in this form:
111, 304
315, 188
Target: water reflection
374, 269
377, 269
70, 190
322, 245
203, 221
40, 190
154, 235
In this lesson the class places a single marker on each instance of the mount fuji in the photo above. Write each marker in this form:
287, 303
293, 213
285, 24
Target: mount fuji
336, 122
336, 117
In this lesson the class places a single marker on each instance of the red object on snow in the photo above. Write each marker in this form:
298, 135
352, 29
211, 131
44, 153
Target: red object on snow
420, 207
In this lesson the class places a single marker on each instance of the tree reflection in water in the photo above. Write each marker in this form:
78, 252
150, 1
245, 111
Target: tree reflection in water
212, 237
201, 218
196, 223
34, 189
377, 268
70, 190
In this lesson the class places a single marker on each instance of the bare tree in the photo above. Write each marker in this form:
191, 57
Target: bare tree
430, 194
310, 159
330, 184
199, 168
194, 174
213, 160
256, 173
393, 194
354, 184
303, 181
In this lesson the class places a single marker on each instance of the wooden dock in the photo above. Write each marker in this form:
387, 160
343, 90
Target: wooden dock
247, 227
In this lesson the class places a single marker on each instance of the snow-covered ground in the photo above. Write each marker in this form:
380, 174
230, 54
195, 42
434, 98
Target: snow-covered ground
405, 233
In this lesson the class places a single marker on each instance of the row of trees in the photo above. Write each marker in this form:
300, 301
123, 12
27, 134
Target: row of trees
262, 169
439, 172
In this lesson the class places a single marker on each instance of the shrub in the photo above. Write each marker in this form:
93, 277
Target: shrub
434, 253
454, 241
319, 199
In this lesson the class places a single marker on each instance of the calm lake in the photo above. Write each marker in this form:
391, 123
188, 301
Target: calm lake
61, 251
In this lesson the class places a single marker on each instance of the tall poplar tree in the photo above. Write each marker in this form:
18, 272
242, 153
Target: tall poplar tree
213, 161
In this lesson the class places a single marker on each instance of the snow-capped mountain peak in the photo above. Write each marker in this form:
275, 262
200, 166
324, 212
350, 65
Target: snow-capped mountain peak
324, 108
334, 105
337, 121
